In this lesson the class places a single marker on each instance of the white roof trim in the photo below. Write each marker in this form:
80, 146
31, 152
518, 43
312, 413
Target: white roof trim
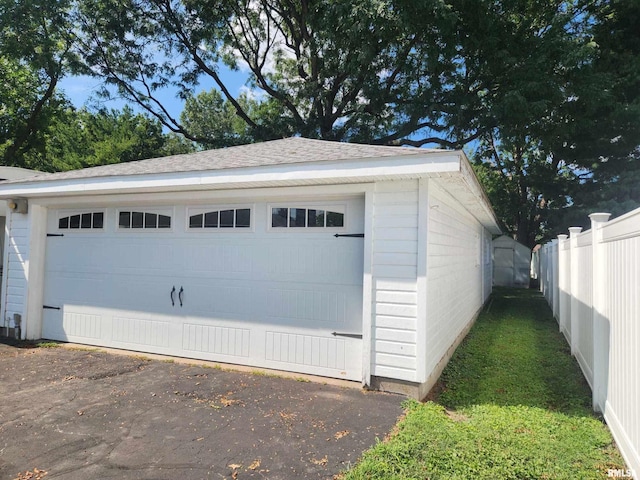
450, 166
316, 173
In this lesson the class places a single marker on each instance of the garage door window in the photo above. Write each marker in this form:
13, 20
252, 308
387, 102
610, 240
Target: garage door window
82, 221
143, 220
216, 219
295, 217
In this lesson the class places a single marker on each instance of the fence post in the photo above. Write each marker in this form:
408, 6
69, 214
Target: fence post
599, 312
555, 290
563, 284
574, 279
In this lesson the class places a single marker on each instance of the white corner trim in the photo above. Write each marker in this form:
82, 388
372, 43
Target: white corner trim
367, 286
32, 324
421, 280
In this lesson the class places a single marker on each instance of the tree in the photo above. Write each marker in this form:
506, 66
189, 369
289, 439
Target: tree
36, 51
377, 71
532, 84
81, 138
564, 133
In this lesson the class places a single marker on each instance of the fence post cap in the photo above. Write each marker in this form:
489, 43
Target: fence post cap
599, 217
563, 236
574, 231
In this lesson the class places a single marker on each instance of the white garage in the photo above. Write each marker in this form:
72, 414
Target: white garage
338, 260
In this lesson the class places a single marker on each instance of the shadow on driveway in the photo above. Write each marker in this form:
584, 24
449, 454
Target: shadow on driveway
79, 414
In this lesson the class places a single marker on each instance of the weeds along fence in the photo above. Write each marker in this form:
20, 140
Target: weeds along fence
591, 280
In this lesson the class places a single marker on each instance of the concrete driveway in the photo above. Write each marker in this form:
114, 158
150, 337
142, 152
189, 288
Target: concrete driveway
79, 414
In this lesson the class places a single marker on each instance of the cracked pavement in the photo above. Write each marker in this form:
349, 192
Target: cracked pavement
78, 414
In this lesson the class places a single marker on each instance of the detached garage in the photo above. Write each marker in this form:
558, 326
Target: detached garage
360, 262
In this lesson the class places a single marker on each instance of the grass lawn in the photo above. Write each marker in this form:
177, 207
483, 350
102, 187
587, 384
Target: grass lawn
511, 404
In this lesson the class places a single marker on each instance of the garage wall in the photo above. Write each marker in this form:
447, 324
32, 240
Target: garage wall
16, 263
456, 262
394, 272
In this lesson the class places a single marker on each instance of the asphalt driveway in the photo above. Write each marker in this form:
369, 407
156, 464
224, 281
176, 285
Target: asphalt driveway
78, 414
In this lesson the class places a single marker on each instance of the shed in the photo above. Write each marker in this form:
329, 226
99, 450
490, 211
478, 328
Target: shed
366, 263
511, 263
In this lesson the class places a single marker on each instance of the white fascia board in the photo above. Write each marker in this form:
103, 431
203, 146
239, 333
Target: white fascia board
359, 171
483, 210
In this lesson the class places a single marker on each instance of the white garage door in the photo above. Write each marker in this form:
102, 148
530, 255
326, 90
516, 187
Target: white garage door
261, 284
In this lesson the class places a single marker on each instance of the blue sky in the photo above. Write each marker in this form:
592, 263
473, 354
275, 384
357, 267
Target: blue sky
81, 90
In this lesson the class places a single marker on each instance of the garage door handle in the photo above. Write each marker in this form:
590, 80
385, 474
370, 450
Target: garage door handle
180, 295
173, 290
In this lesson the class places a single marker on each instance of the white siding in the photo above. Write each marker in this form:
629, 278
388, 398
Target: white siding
16, 265
394, 270
456, 264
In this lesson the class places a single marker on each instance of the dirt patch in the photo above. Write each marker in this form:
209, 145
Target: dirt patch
435, 392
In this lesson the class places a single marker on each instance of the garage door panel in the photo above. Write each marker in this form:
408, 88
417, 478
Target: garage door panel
86, 285
141, 257
84, 256
113, 328
219, 259
139, 293
295, 260
122, 255
327, 260
140, 331
216, 339
231, 299
82, 324
325, 306
259, 298
287, 304
311, 350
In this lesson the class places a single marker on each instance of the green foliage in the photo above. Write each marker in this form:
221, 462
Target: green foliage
513, 405
213, 119
81, 138
35, 53
570, 124
376, 71
547, 90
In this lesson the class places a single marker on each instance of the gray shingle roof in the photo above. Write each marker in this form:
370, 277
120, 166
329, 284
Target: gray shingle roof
276, 152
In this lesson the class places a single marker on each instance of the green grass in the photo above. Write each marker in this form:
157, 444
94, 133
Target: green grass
44, 344
512, 404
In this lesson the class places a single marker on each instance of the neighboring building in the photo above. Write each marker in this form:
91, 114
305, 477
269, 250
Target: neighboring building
360, 262
511, 263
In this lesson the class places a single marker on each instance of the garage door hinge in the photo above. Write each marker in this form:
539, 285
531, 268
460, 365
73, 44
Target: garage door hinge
357, 235
350, 335
55, 234
49, 307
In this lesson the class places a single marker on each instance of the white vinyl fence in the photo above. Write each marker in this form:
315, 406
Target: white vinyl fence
592, 282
